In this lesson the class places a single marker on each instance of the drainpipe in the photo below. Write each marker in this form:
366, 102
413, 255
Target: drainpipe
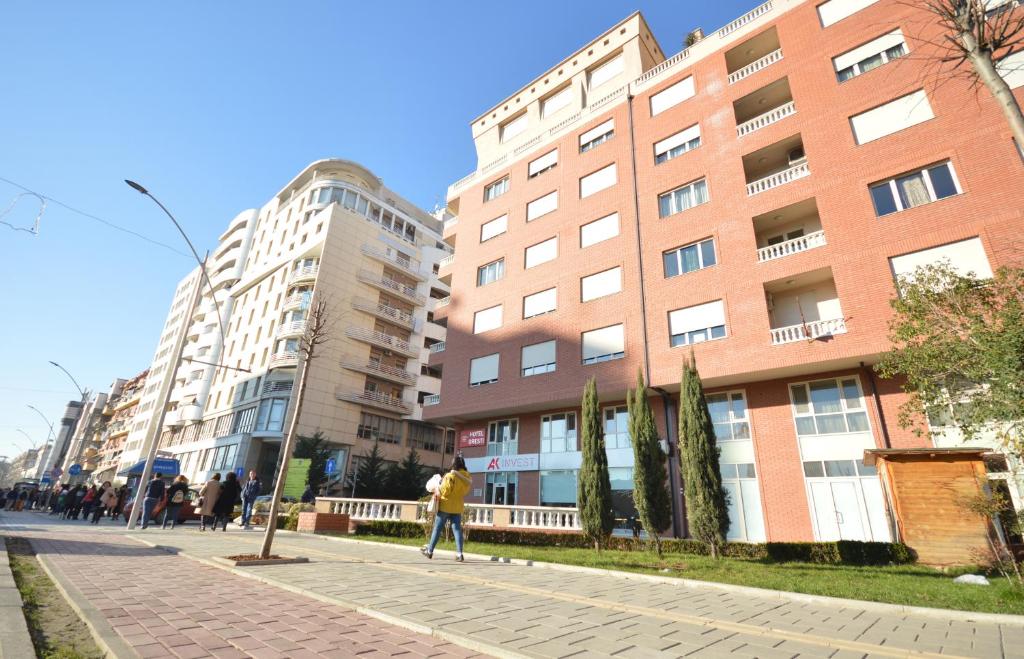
878, 405
639, 251
675, 480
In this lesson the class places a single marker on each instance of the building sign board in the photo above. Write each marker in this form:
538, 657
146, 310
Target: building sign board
473, 437
489, 463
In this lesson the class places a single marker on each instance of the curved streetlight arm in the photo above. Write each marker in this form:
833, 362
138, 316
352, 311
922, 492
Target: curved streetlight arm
36, 410
73, 381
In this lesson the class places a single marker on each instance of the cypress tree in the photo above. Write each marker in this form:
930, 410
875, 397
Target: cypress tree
650, 490
594, 491
706, 501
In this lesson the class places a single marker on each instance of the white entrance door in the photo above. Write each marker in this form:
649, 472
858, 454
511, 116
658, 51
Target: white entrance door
847, 507
824, 511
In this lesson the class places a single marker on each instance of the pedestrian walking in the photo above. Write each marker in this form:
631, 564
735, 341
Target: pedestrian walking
61, 500
449, 500
307, 495
208, 499
176, 494
22, 499
224, 509
250, 491
105, 499
88, 502
122, 494
12, 499
33, 496
75, 502
155, 491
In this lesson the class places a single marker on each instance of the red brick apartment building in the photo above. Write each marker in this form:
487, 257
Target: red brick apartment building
750, 199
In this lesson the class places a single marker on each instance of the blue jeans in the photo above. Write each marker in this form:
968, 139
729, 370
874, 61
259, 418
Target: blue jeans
148, 506
435, 535
247, 511
171, 514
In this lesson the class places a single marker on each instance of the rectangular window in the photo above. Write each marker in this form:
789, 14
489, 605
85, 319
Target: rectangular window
672, 95
601, 284
379, 428
828, 407
914, 189
965, 256
678, 144
833, 11
605, 344
682, 198
513, 127
558, 433
606, 71
542, 252
558, 488
503, 437
688, 258
599, 230
697, 324
539, 303
495, 227
871, 55
616, 427
270, 417
548, 161
496, 189
597, 135
483, 370
492, 272
891, 117
1012, 69
538, 358
599, 180
729, 415
556, 102
487, 320
542, 206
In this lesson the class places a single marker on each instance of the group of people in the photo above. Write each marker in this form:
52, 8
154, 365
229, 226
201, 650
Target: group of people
215, 504
91, 502
16, 499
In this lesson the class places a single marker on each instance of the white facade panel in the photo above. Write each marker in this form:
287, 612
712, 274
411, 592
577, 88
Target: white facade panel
894, 116
538, 303
487, 319
964, 256
514, 128
604, 341
542, 252
599, 180
1012, 69
834, 11
542, 206
556, 102
599, 230
495, 227
671, 96
601, 284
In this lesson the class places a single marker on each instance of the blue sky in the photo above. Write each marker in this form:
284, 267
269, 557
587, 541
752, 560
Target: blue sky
214, 106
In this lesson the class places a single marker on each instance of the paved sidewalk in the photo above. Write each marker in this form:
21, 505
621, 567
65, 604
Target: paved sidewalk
15, 640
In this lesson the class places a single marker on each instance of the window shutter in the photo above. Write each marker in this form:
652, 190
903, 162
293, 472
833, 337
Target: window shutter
483, 369
601, 284
539, 303
549, 159
604, 341
539, 354
682, 137
673, 95
698, 317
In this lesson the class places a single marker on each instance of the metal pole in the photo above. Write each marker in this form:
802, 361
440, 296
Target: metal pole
156, 431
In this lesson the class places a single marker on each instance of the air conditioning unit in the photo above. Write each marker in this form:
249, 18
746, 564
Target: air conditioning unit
797, 156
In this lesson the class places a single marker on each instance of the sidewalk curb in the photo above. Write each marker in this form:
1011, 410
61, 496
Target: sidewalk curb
13, 643
953, 615
426, 630
104, 635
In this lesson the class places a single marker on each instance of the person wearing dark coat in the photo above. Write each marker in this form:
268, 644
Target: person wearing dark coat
230, 492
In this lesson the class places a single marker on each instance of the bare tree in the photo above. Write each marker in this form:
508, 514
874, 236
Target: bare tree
316, 334
978, 33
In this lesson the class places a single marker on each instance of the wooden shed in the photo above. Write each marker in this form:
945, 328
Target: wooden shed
926, 488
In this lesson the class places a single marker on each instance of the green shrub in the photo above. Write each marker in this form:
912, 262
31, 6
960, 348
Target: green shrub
390, 529
842, 552
291, 522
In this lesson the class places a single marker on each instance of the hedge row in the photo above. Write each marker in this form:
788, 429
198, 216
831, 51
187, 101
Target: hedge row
843, 552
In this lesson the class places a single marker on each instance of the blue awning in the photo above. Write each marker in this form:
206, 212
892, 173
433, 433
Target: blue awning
164, 466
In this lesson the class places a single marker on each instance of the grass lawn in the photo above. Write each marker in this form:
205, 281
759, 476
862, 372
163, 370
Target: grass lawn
903, 584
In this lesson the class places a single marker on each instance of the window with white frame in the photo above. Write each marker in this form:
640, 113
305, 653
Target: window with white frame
483, 370
542, 206
555, 102
538, 358
496, 189
728, 412
597, 135
558, 433
503, 437
696, 324
888, 118
964, 256
539, 303
688, 258
746, 519
492, 272
915, 189
828, 407
513, 128
495, 227
600, 230
676, 145
833, 11
600, 284
486, 320
542, 252
672, 95
604, 72
558, 488
547, 161
597, 181
616, 427
682, 198
871, 55
604, 344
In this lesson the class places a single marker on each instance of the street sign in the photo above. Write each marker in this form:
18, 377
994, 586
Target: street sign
239, 471
45, 480
57, 471
331, 466
75, 469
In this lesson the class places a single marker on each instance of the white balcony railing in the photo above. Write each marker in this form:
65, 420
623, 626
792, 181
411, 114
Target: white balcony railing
787, 175
432, 399
292, 328
392, 286
277, 386
438, 347
380, 369
392, 257
808, 331
755, 66
366, 510
306, 272
744, 19
381, 339
446, 261
544, 517
284, 359
794, 246
296, 301
376, 399
766, 119
443, 302
384, 311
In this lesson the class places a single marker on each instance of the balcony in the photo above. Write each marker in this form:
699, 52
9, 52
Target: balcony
446, 261
753, 55
293, 328
384, 312
442, 302
376, 399
296, 301
789, 230
432, 399
392, 257
190, 413
379, 369
804, 308
388, 285
764, 107
277, 387
284, 360
775, 165
381, 340
304, 274
172, 419
438, 347
808, 331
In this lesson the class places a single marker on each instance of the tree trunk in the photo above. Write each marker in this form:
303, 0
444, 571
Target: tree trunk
990, 77
657, 544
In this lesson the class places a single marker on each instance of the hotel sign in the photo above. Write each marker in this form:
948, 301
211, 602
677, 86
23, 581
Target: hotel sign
489, 463
473, 437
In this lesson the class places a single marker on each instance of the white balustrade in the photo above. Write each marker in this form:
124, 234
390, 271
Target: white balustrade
744, 19
392, 257
306, 272
381, 339
766, 119
383, 310
443, 302
367, 510
438, 347
808, 331
284, 359
432, 399
292, 327
794, 246
755, 66
545, 517
446, 261
787, 175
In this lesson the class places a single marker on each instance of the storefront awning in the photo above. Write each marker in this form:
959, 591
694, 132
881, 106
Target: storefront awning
164, 466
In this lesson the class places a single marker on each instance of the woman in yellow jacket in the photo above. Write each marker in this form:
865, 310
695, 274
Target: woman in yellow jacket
449, 500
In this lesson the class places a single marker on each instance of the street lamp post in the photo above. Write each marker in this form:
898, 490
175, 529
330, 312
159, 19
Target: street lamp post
51, 440
74, 428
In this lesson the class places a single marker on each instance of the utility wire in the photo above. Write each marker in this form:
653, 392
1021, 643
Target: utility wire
93, 217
